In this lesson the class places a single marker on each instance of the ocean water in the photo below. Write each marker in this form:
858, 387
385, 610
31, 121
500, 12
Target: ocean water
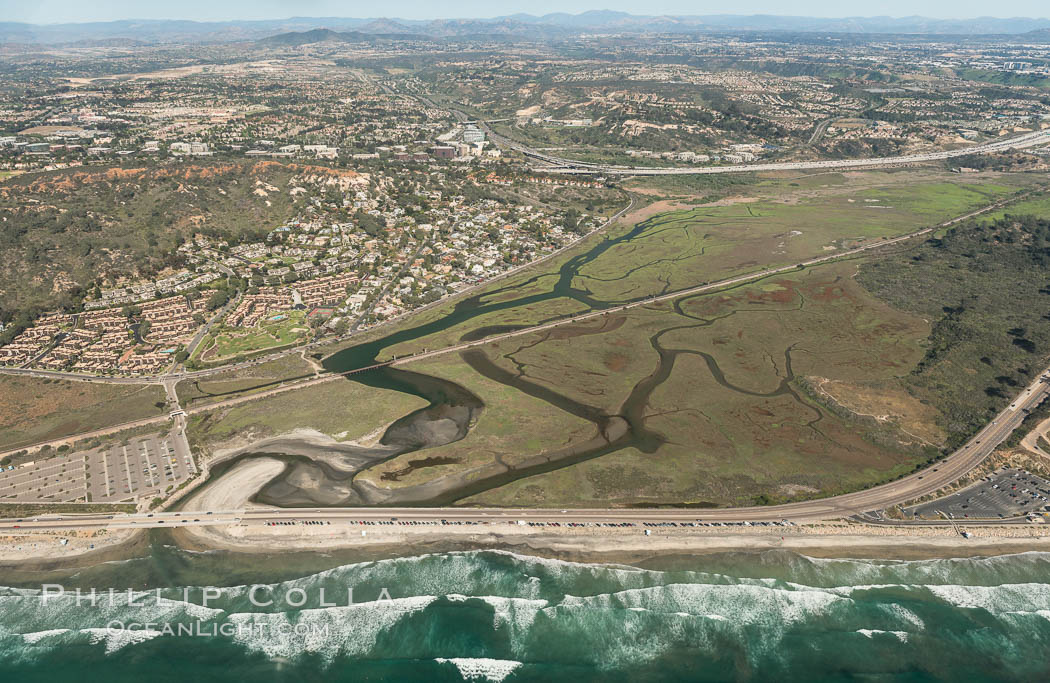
491, 615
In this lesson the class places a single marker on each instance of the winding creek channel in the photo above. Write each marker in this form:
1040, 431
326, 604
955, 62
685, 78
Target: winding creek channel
326, 475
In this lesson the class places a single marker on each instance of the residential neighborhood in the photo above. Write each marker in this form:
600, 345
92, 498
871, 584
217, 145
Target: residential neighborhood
365, 248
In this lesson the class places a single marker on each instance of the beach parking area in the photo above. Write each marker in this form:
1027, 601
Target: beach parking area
138, 468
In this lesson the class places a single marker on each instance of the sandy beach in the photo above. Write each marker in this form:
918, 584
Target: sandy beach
45, 550
817, 540
827, 539
65, 547
625, 545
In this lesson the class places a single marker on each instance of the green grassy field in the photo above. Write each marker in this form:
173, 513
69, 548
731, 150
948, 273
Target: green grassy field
230, 342
1037, 205
33, 410
701, 244
735, 428
233, 383
338, 408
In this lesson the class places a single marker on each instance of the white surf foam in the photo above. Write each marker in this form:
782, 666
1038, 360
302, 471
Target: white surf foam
902, 636
116, 639
33, 638
1017, 597
350, 630
482, 669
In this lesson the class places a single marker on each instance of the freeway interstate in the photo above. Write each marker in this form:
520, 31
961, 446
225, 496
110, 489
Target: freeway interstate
561, 165
568, 166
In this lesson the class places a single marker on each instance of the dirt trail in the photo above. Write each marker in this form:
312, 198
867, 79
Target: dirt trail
1031, 439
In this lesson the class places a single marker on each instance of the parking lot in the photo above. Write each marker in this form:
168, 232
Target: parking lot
146, 466
1005, 493
59, 478
143, 467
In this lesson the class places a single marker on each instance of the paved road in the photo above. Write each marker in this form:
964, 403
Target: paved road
819, 131
560, 165
908, 488
216, 317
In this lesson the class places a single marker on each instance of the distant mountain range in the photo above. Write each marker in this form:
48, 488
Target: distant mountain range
525, 26
321, 35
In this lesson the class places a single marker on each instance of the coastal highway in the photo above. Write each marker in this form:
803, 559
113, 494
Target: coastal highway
919, 484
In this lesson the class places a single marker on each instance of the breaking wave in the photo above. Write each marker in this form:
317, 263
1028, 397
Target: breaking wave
494, 615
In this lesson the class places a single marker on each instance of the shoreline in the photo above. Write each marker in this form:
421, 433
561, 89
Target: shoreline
831, 540
41, 552
303, 438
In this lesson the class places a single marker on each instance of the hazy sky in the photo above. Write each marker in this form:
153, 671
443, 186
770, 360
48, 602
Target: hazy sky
57, 11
